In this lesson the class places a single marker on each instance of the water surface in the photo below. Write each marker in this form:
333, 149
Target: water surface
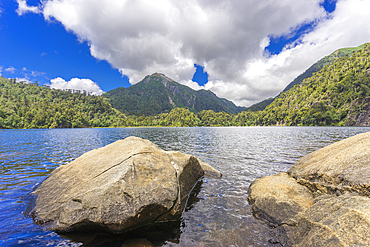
218, 215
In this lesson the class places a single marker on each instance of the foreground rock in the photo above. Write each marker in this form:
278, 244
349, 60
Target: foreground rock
323, 200
342, 166
334, 221
279, 198
121, 186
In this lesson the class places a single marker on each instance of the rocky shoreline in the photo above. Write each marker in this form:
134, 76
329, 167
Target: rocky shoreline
323, 200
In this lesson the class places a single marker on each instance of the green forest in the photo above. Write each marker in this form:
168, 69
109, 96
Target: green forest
33, 106
338, 94
327, 60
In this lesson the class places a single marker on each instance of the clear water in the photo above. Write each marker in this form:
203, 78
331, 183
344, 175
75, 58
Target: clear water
219, 215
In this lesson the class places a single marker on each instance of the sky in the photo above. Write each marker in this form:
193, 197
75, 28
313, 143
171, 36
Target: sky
242, 50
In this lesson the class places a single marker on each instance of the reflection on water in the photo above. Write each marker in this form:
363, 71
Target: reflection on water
217, 215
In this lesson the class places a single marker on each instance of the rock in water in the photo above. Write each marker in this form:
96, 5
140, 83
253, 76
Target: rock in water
323, 200
340, 167
334, 221
279, 198
121, 186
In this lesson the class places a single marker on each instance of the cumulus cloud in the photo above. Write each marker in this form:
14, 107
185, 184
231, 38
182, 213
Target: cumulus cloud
77, 84
228, 38
10, 69
23, 8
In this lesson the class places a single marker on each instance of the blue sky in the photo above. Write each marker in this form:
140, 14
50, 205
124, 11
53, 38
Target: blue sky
240, 52
48, 50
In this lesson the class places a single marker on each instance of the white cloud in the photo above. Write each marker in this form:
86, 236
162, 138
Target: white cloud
23, 8
228, 37
24, 80
76, 83
10, 69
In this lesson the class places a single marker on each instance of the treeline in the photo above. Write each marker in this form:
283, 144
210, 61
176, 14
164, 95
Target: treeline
32, 106
183, 117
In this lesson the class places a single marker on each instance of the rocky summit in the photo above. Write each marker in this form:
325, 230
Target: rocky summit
124, 185
323, 200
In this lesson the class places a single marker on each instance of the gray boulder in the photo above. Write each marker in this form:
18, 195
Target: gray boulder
342, 166
333, 183
121, 186
279, 198
334, 221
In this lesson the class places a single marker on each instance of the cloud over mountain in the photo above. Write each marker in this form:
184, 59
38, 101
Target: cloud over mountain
76, 83
228, 38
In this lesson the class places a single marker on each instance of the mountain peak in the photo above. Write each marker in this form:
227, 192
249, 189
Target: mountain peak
158, 77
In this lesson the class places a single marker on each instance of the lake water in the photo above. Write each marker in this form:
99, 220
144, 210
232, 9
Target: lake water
217, 215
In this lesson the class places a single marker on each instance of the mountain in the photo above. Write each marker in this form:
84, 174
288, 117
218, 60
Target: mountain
338, 94
327, 60
157, 93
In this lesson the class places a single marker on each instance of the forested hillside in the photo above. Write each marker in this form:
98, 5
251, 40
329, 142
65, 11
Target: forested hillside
157, 94
32, 106
327, 60
337, 94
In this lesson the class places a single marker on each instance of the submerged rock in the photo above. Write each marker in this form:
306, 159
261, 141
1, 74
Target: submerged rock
209, 170
323, 200
121, 186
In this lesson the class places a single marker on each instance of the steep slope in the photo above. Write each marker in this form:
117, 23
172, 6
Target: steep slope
327, 60
157, 93
338, 94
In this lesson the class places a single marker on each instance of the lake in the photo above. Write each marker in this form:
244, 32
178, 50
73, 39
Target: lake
218, 214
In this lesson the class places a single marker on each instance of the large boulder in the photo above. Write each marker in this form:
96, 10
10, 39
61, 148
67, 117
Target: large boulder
337, 168
121, 186
323, 200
